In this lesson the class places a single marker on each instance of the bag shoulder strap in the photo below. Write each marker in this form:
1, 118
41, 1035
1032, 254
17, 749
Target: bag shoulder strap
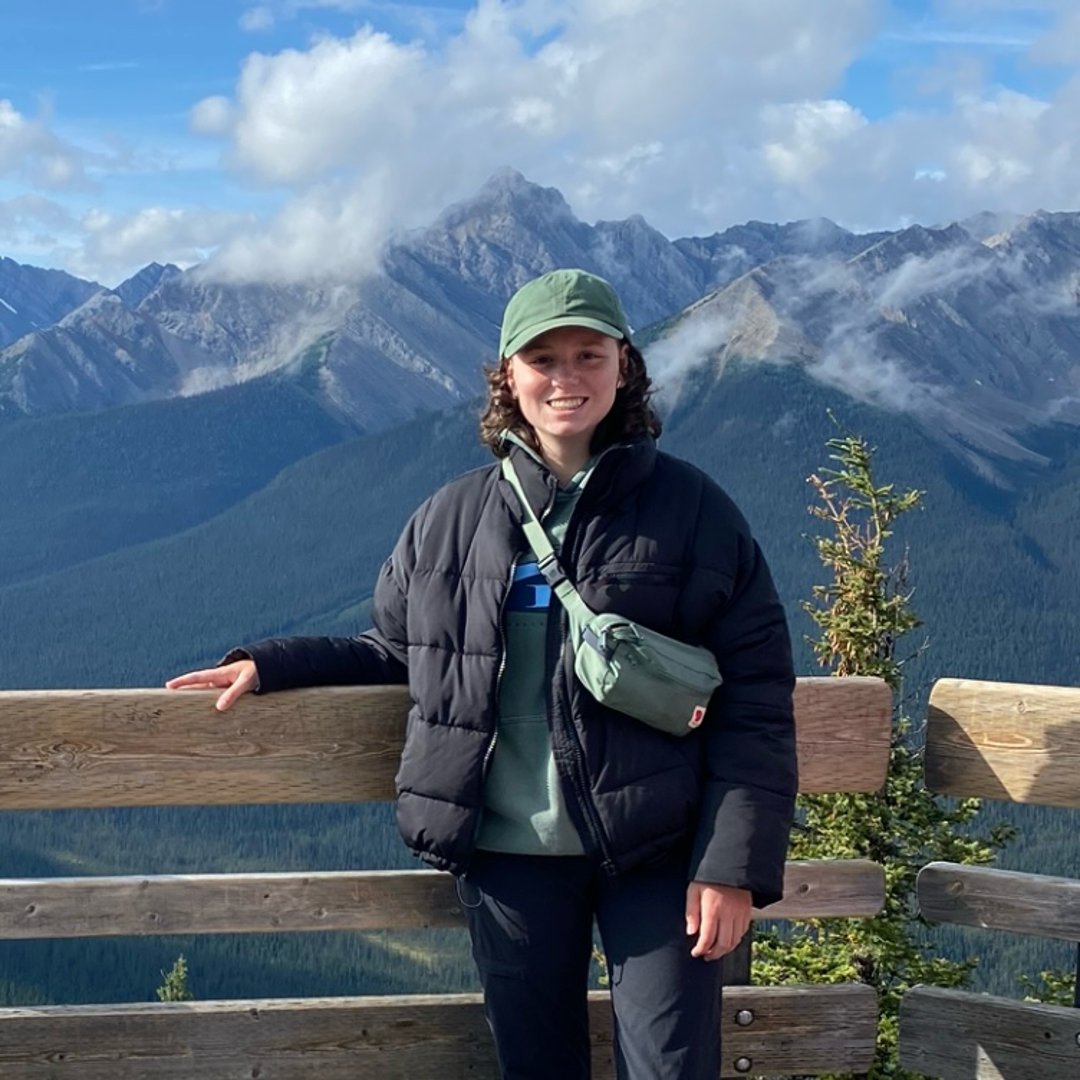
546, 559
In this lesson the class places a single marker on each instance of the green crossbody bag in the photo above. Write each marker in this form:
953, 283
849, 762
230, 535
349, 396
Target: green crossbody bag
627, 667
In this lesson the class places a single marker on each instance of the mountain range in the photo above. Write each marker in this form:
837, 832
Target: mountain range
974, 331
160, 411
188, 463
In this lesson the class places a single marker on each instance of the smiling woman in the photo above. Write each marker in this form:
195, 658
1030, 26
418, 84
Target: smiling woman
552, 808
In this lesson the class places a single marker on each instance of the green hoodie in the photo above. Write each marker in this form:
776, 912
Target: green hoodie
524, 810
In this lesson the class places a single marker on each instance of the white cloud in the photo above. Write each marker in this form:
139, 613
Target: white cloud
694, 342
1063, 45
111, 65
114, 244
808, 134
300, 115
430, 18
257, 18
30, 151
330, 230
212, 116
697, 115
32, 222
622, 105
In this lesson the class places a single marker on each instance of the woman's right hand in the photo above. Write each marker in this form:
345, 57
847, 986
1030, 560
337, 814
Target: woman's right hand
239, 677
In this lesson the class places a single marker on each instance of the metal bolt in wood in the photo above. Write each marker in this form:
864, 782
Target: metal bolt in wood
743, 1064
744, 1018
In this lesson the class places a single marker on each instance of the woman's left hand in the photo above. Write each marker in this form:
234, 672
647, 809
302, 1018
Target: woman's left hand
719, 915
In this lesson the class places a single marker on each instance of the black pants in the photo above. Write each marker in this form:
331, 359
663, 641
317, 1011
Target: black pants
531, 919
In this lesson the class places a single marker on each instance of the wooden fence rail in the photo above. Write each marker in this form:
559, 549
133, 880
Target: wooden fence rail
1020, 743
107, 748
776, 1031
81, 748
334, 900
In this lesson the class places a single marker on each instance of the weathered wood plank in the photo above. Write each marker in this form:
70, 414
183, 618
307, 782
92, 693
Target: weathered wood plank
81, 748
784, 1030
1035, 904
333, 900
829, 888
843, 728
1004, 741
227, 903
166, 747
960, 1036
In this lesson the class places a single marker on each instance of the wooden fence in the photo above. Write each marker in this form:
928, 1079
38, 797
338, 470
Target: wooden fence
152, 747
1018, 743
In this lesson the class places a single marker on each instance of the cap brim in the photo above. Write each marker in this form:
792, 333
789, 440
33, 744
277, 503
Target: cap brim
517, 343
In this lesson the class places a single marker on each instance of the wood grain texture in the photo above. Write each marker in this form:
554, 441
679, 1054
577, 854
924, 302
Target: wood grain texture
227, 903
167, 747
332, 900
1035, 904
830, 888
792, 1030
81, 748
843, 728
960, 1036
1004, 741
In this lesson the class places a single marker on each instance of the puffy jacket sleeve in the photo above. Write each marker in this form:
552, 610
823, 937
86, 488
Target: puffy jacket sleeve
378, 656
751, 773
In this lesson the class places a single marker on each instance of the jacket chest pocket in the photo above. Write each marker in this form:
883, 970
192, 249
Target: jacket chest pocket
649, 596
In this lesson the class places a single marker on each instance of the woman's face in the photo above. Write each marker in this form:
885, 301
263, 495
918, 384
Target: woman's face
564, 382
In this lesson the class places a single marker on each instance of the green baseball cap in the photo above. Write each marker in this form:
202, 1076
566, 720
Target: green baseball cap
561, 298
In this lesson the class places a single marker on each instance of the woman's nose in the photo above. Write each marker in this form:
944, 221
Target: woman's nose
564, 372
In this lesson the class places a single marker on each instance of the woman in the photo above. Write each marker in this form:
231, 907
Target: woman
552, 809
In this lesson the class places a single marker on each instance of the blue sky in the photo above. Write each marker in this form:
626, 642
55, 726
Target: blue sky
288, 138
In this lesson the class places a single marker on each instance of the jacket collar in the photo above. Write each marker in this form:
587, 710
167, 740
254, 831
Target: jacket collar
619, 470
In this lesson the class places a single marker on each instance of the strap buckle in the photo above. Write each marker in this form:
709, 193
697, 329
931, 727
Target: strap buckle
552, 570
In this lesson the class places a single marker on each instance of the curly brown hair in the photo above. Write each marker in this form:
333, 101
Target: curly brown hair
630, 415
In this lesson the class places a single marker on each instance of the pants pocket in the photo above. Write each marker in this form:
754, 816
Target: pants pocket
497, 945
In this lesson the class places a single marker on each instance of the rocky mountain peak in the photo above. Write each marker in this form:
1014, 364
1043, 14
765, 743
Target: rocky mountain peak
31, 298
988, 224
917, 241
1045, 245
140, 285
506, 192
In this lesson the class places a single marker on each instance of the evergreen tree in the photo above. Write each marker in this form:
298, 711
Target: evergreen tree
175, 986
1055, 987
861, 615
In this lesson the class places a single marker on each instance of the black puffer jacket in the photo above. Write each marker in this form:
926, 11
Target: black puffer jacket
651, 538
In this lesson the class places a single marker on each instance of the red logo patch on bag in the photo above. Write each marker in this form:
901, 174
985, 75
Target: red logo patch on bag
697, 716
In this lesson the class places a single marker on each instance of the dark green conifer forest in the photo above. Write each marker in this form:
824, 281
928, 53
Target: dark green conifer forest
141, 542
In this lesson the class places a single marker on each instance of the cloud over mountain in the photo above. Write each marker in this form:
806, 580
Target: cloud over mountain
729, 112
336, 124
973, 330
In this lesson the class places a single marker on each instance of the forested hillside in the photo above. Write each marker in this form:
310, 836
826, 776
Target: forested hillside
993, 584
74, 486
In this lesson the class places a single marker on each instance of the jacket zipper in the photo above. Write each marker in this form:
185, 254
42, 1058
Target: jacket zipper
580, 773
490, 751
